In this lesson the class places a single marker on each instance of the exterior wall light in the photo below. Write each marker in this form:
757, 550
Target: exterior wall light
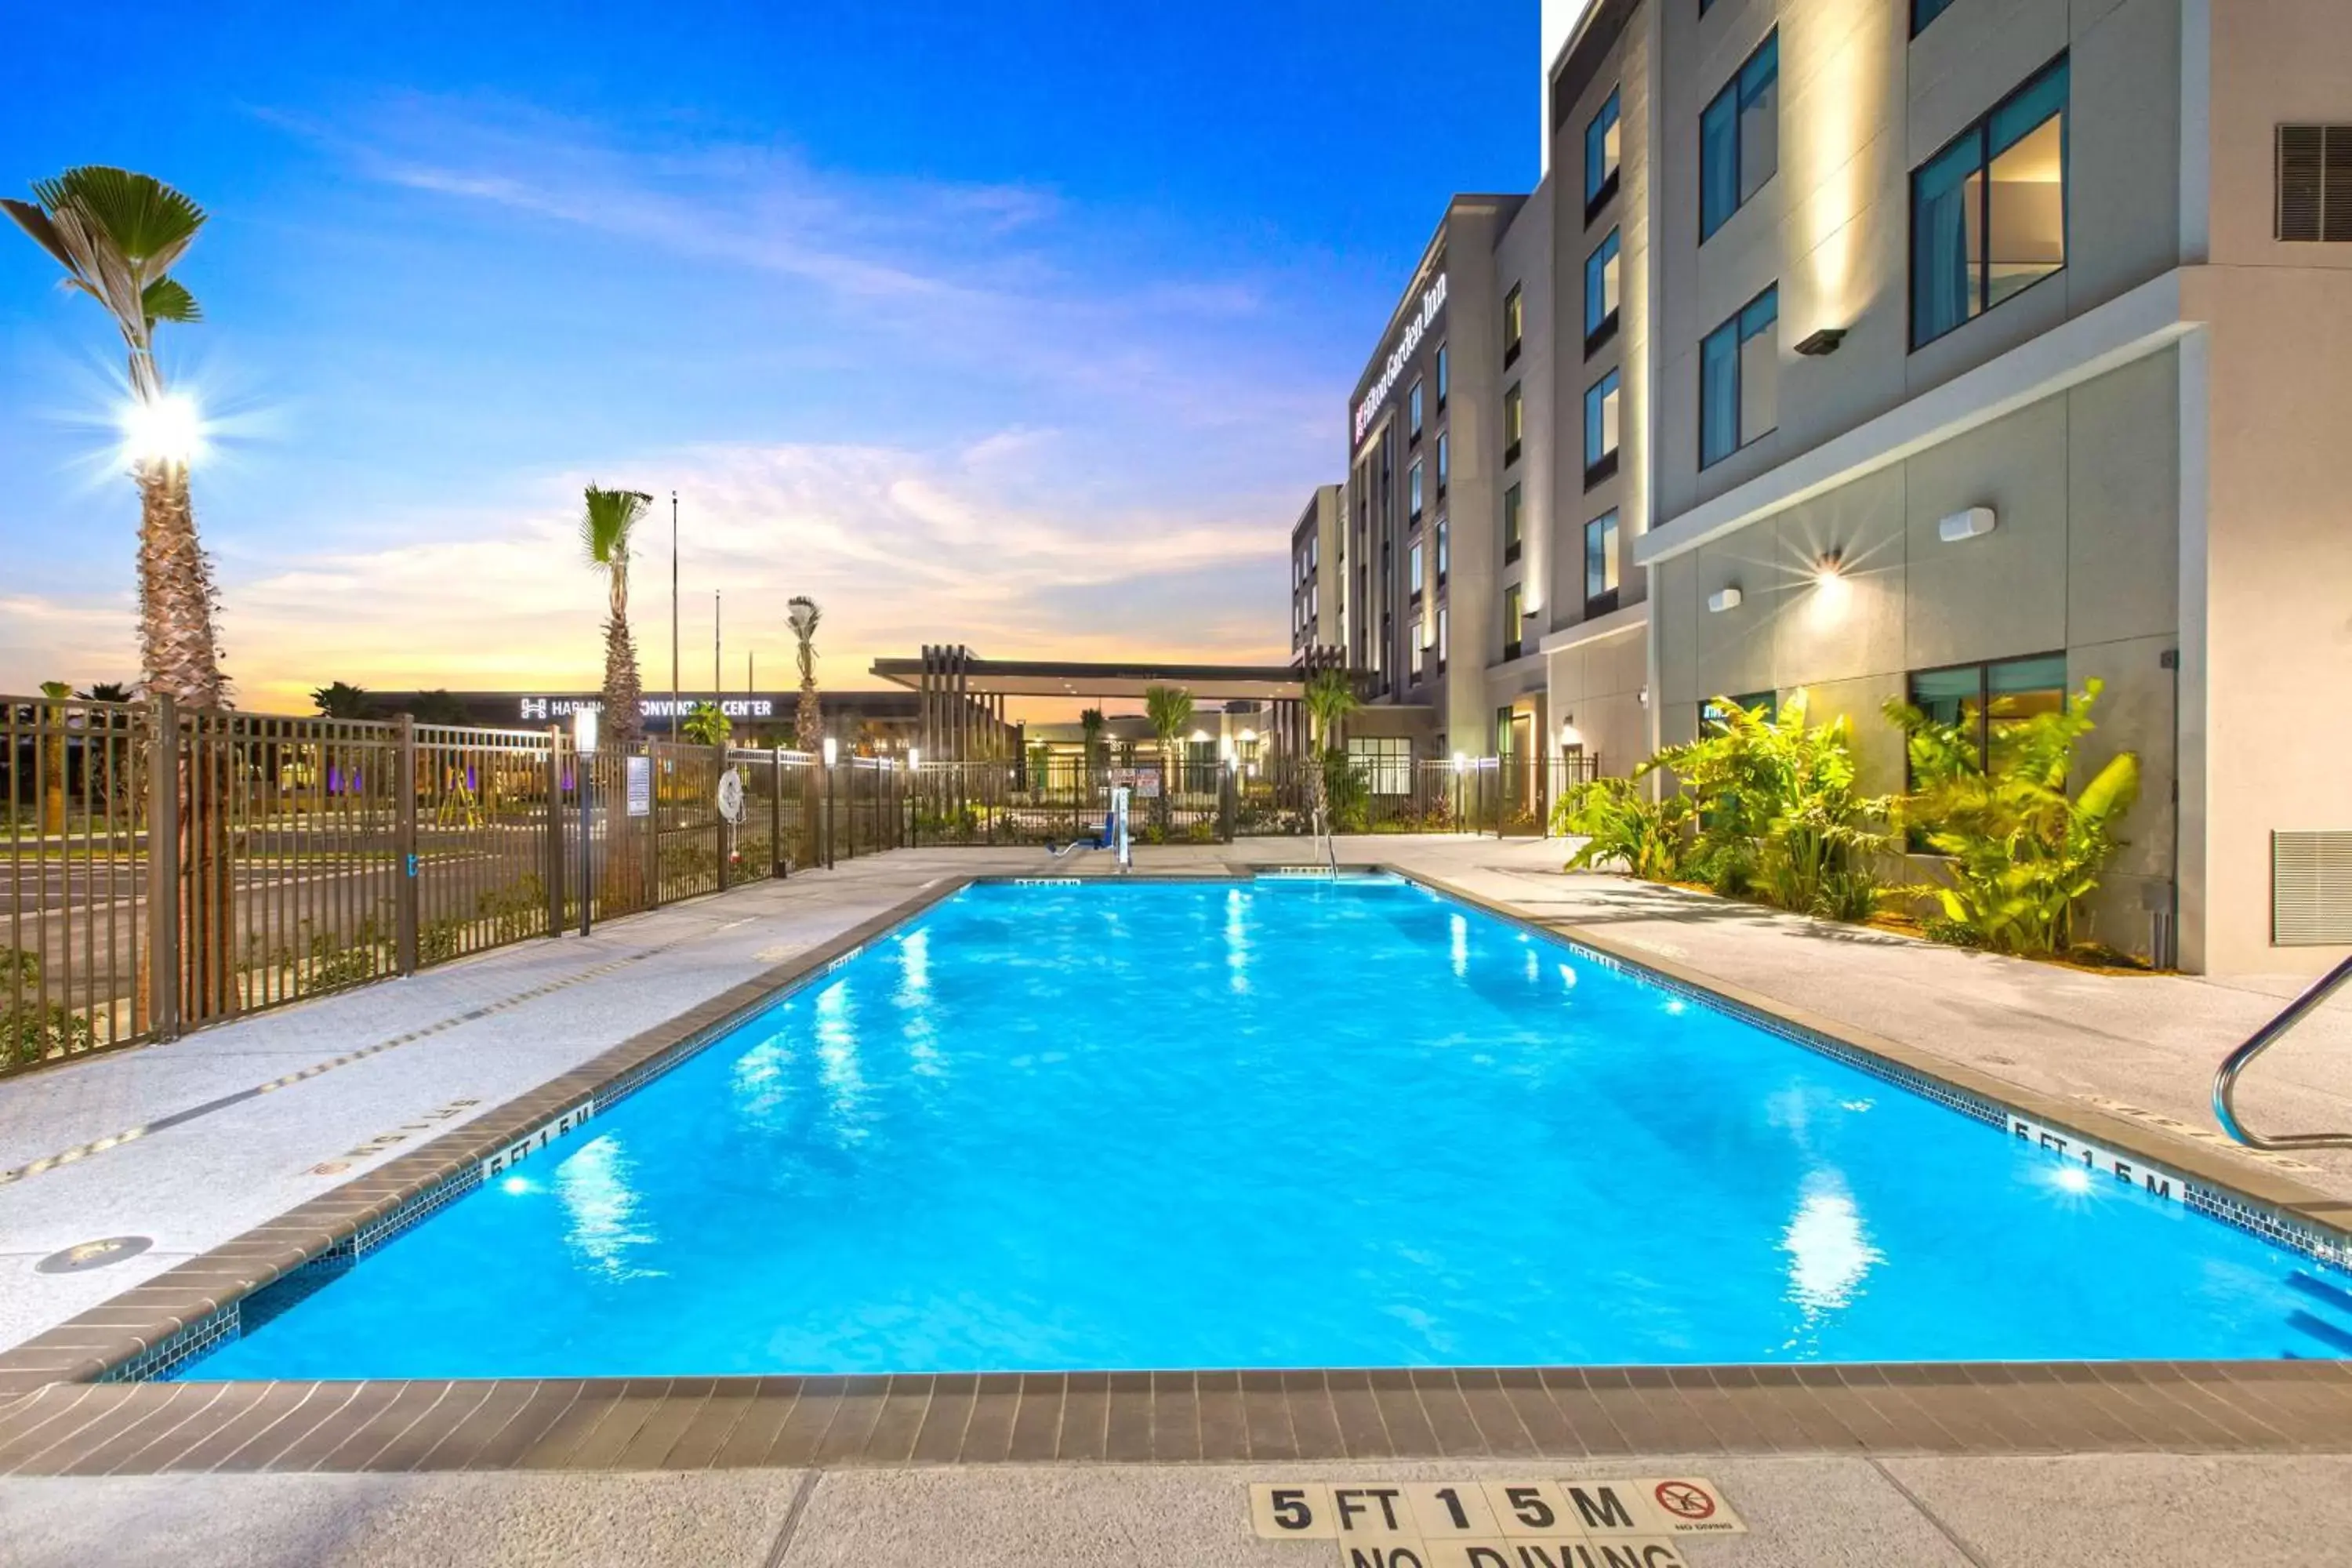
914, 758
1570, 735
1461, 761
1972, 523
1723, 599
1830, 567
832, 750
1821, 340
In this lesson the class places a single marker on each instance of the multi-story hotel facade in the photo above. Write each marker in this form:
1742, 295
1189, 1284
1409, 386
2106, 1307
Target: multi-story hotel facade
1954, 351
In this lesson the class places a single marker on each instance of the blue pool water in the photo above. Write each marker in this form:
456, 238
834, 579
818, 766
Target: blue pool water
1276, 1124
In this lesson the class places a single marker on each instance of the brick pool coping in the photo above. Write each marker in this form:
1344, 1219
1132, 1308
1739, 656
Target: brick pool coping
64, 1411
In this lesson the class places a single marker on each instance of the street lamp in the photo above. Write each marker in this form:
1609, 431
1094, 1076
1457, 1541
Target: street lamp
583, 746
832, 749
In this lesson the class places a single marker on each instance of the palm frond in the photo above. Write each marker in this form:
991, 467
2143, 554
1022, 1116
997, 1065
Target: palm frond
606, 522
36, 222
168, 299
145, 219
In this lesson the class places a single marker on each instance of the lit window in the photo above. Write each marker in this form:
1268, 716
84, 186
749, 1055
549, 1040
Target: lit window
1440, 550
1601, 157
1740, 138
1414, 570
1601, 273
1511, 525
1515, 325
1739, 377
1412, 489
1985, 701
1600, 564
1514, 423
1989, 212
1511, 618
1441, 465
1442, 638
1441, 378
1413, 406
1600, 429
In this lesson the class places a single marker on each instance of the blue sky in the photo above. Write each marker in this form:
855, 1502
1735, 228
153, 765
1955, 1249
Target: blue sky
1025, 325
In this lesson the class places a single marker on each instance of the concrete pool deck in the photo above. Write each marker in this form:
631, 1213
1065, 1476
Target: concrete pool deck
237, 1125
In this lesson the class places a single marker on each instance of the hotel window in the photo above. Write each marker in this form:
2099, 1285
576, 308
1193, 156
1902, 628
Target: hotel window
1740, 138
1600, 158
1926, 11
1441, 378
1383, 762
1413, 407
1412, 492
1511, 507
1713, 713
1985, 700
1414, 570
1989, 212
1600, 564
1739, 380
1511, 618
1601, 273
1515, 325
1441, 551
1441, 636
1600, 429
1419, 656
1441, 465
1514, 423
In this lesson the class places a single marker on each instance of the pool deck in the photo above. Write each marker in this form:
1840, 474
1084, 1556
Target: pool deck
267, 1135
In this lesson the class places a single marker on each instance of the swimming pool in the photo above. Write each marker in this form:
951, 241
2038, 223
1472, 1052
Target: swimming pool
1289, 1122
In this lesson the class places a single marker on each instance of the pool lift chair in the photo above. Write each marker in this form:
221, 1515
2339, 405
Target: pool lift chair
2225, 1081
1114, 836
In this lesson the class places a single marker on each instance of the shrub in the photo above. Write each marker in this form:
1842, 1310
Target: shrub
1620, 824
32, 1030
2021, 852
1348, 799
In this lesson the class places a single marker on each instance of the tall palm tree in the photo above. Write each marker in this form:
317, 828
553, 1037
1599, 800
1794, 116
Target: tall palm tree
1170, 707
808, 720
118, 234
53, 758
1330, 697
607, 522
1090, 730
343, 700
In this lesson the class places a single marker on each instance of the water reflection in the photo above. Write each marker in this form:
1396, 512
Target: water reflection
1829, 1250
1238, 947
915, 999
1461, 946
837, 1066
601, 1206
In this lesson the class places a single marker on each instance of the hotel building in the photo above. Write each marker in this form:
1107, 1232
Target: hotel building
1955, 352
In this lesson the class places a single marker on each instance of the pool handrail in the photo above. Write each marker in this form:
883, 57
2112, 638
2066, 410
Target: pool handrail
2225, 1081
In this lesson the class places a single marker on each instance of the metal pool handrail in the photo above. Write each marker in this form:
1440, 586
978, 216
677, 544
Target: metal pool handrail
2225, 1081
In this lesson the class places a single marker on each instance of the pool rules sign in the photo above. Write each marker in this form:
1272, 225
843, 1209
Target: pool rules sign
1497, 1524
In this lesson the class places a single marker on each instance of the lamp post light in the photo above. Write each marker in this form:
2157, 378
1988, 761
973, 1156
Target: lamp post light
914, 797
583, 746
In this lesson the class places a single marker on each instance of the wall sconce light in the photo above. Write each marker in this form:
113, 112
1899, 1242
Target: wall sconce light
1821, 340
1830, 567
1461, 761
1570, 737
1645, 697
914, 758
1969, 524
832, 750
1725, 599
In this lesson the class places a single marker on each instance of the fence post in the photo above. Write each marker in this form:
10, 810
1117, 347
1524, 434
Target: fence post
652, 821
776, 811
724, 829
164, 870
552, 855
1225, 782
404, 787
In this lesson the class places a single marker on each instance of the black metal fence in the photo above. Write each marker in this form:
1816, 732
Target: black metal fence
159, 870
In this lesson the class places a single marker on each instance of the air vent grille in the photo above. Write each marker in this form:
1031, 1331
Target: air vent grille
2315, 183
2311, 889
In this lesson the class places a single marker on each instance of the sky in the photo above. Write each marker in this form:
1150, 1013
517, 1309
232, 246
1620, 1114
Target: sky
1025, 326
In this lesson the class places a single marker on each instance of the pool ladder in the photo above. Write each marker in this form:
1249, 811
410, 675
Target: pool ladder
2225, 1081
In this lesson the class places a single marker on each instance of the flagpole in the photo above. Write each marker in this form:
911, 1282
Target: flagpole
672, 615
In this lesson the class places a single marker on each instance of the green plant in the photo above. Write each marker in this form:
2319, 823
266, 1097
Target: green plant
2021, 851
1330, 697
1619, 823
706, 725
607, 518
1090, 731
1778, 813
1169, 709
1346, 798
342, 699
32, 1030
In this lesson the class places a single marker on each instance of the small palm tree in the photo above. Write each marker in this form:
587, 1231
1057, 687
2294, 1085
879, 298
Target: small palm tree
118, 235
706, 725
1169, 709
107, 692
1090, 731
343, 700
802, 614
607, 522
1330, 697
53, 757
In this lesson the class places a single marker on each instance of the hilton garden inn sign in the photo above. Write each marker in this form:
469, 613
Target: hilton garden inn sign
1432, 300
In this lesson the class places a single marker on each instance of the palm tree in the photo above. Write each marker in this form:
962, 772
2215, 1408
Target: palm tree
117, 234
1330, 697
343, 700
808, 718
1090, 731
1169, 709
605, 523
107, 692
53, 758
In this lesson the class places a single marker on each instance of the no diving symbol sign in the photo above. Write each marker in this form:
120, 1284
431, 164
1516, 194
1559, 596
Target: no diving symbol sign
1595, 1522
1684, 1499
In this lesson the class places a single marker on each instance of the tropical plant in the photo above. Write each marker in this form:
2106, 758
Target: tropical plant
1621, 824
53, 756
1330, 697
107, 692
343, 700
118, 234
706, 725
607, 519
2021, 851
1347, 795
1090, 731
438, 706
1778, 813
1169, 709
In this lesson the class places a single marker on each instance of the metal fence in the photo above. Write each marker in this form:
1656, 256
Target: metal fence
159, 870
